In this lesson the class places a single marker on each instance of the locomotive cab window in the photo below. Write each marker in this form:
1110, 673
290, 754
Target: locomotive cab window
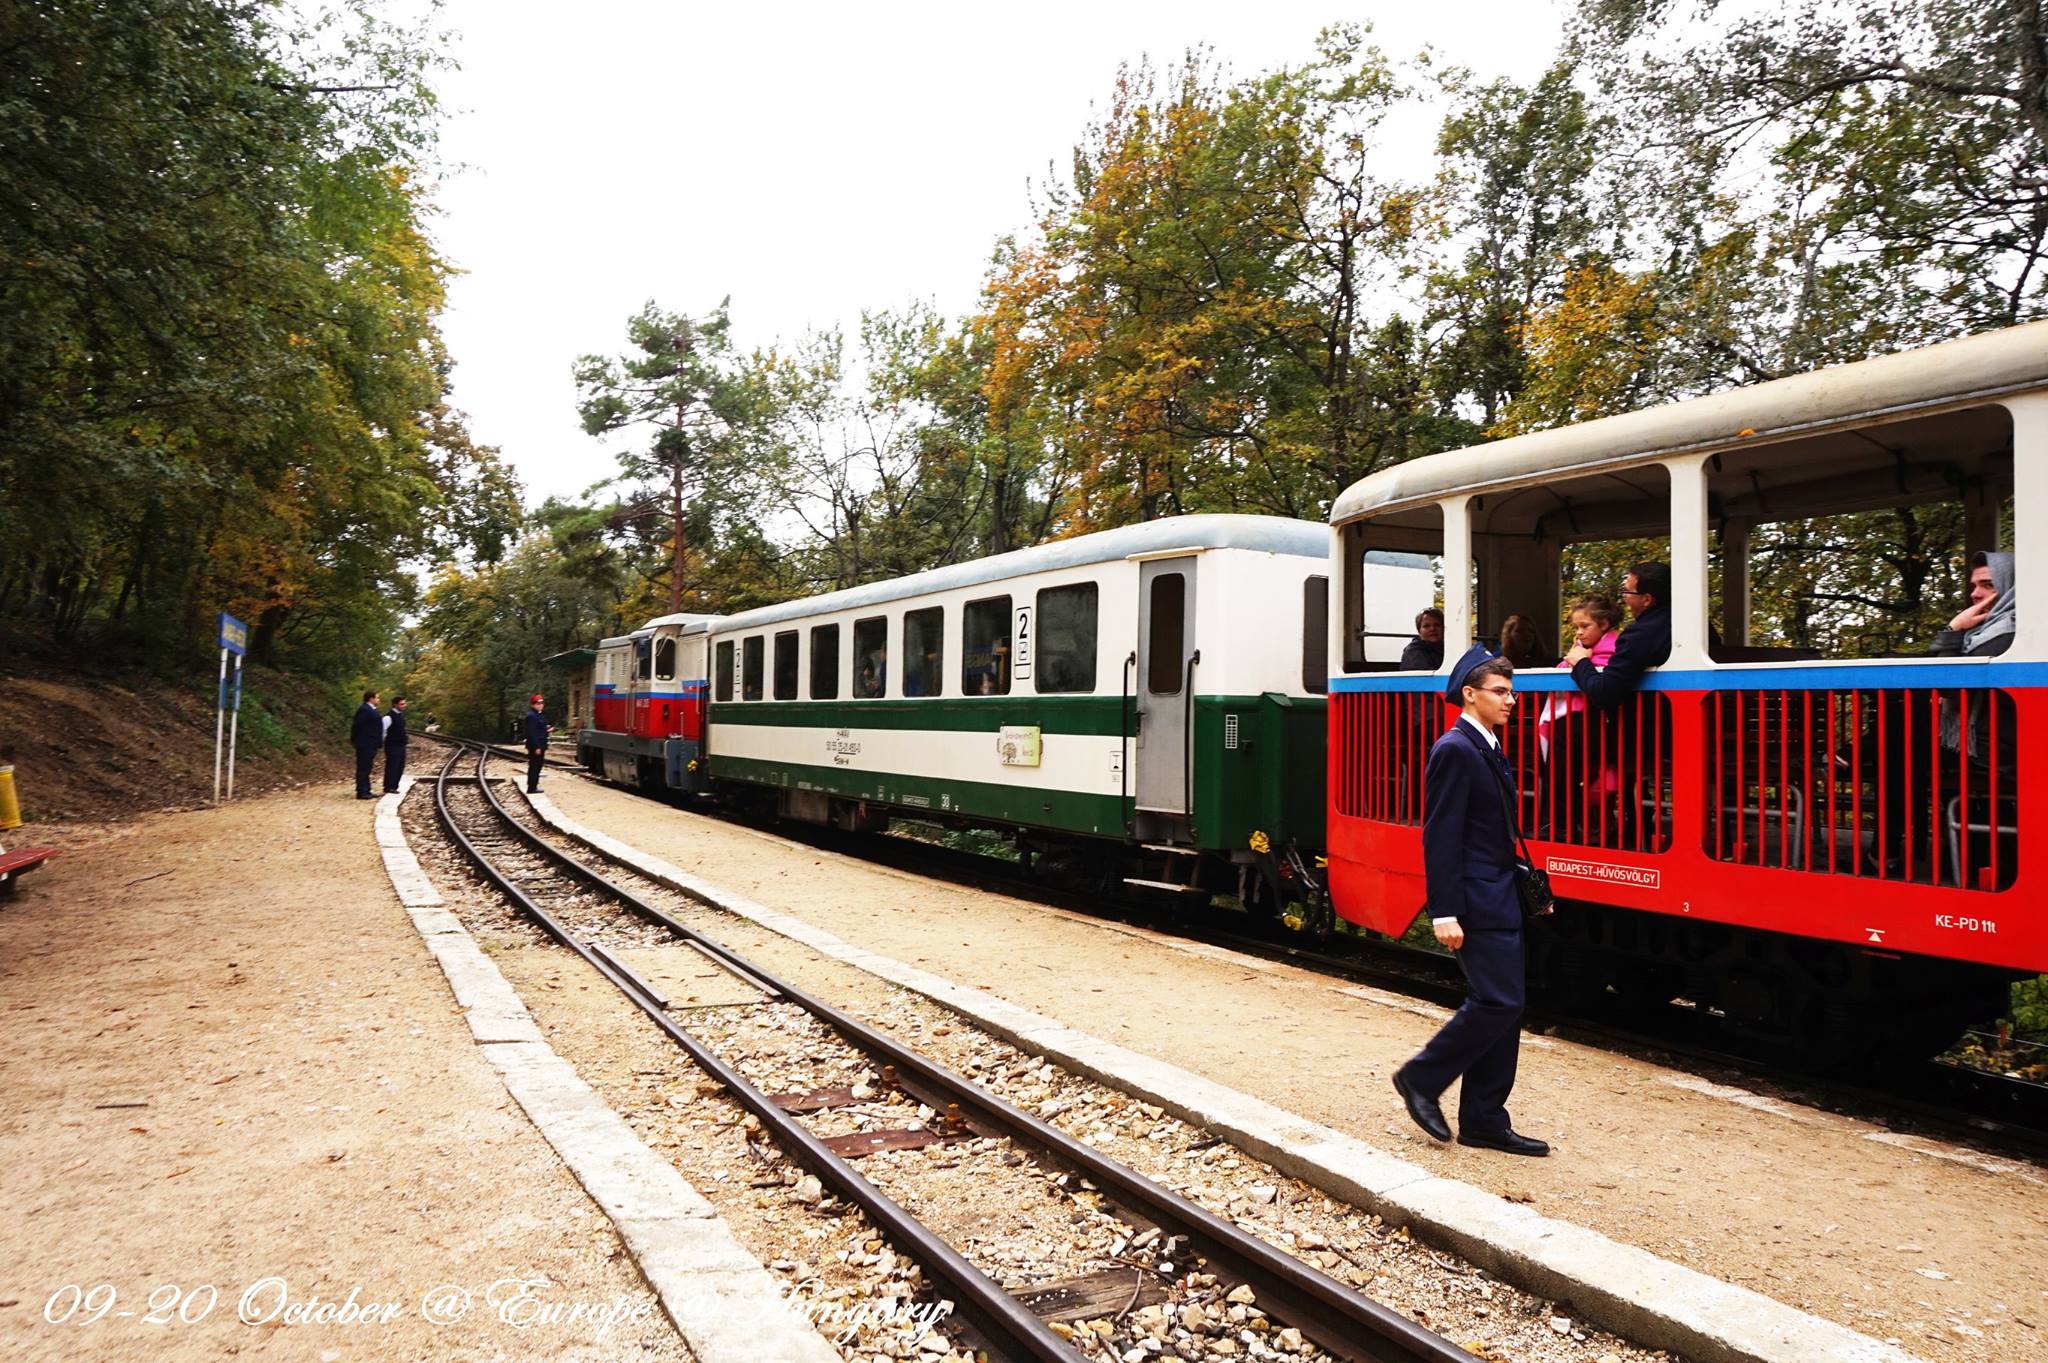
751, 651
871, 658
665, 659
825, 662
785, 665
1066, 639
985, 647
722, 683
924, 652
643, 659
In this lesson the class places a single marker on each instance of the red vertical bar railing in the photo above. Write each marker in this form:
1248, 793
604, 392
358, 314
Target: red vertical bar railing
1963, 790
1784, 798
1828, 756
1806, 790
1856, 780
1404, 729
1884, 778
1991, 698
1934, 786
1762, 772
1717, 778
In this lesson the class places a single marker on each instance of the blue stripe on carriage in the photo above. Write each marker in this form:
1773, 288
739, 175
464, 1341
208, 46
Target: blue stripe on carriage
1971, 674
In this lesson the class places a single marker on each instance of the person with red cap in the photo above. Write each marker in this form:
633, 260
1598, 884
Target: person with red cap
536, 729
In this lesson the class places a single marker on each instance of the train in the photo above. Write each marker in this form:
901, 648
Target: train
1141, 706
1824, 852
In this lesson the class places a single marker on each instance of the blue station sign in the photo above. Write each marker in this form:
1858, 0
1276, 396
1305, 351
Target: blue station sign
234, 635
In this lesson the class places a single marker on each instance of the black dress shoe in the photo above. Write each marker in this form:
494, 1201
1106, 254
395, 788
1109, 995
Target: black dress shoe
1510, 1142
1422, 1108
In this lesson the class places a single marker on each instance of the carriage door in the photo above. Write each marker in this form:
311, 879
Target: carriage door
1166, 637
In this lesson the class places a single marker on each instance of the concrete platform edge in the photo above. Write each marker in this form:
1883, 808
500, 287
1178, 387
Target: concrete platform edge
1619, 1287
725, 1304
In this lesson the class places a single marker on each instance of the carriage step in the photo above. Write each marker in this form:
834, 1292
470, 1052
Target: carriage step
1169, 847
1164, 885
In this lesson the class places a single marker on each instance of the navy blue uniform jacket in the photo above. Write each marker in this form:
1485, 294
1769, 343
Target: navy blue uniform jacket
394, 737
368, 732
1468, 851
1645, 644
536, 729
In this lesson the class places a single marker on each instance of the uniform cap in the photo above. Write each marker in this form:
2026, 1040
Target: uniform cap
1454, 693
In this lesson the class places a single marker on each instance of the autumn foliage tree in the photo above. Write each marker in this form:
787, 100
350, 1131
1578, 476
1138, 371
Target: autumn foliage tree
221, 381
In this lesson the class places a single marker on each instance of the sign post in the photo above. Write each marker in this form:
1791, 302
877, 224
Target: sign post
234, 638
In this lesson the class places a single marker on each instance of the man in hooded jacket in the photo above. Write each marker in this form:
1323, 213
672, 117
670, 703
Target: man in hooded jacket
1982, 629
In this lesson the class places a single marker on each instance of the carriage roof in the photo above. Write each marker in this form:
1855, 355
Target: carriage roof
1267, 534
1968, 370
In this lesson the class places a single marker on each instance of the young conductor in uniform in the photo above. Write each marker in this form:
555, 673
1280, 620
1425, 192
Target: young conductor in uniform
536, 733
1468, 855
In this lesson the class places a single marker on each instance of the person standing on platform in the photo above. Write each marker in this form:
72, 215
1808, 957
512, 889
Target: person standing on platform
394, 745
536, 731
1468, 864
368, 736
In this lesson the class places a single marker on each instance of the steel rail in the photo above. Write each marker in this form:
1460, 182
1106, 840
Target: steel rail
2009, 1115
1338, 1318
1007, 1323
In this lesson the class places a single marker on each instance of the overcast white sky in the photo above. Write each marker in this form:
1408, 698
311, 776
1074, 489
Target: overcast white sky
807, 159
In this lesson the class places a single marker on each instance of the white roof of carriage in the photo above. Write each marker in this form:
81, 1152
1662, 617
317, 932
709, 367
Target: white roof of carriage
1974, 368
1268, 534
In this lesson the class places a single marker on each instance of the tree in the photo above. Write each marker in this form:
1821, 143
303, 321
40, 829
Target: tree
221, 383
705, 409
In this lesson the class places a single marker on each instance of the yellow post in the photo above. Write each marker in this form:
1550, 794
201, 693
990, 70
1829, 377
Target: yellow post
10, 807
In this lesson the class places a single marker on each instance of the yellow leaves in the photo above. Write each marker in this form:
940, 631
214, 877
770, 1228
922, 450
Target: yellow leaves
1587, 351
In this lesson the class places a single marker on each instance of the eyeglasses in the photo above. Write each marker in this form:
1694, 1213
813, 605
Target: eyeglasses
1504, 692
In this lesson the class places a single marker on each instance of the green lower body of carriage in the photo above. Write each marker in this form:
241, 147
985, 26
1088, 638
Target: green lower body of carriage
1248, 776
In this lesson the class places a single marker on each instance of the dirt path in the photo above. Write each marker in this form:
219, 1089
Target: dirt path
231, 1062
1947, 1259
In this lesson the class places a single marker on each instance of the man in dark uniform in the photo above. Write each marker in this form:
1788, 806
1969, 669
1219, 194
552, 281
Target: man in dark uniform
1468, 862
394, 745
536, 732
368, 736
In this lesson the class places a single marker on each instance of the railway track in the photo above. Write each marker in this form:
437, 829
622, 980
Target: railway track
2004, 1116
1941, 1098
2007, 1117
551, 888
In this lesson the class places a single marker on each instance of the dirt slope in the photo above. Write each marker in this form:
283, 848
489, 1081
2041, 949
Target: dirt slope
95, 748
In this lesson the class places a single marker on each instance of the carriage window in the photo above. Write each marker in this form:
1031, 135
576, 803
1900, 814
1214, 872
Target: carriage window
1393, 572
871, 658
785, 665
985, 648
750, 668
924, 653
664, 659
722, 684
1168, 633
1066, 638
1315, 635
1858, 544
825, 662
